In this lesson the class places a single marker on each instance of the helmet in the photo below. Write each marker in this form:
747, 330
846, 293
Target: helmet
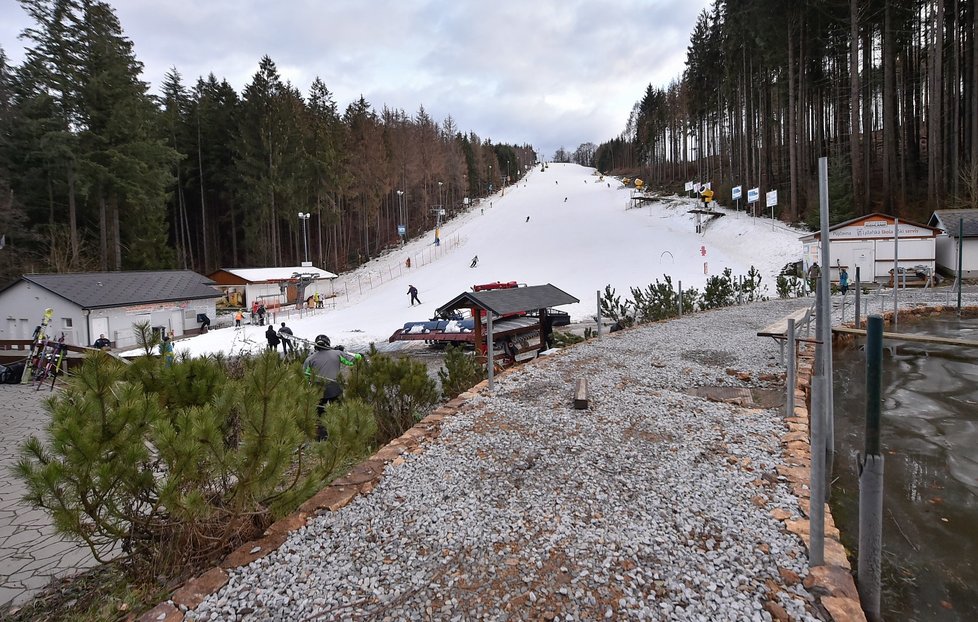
322, 342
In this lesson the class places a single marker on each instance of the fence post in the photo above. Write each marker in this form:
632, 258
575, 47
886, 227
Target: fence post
598, 314
790, 379
960, 253
858, 293
871, 478
896, 268
680, 298
816, 513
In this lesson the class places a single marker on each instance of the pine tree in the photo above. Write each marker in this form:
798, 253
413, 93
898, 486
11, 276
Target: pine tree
399, 390
167, 468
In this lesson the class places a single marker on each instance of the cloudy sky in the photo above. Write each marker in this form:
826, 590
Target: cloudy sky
550, 73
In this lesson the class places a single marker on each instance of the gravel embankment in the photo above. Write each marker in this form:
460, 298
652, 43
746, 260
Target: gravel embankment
651, 505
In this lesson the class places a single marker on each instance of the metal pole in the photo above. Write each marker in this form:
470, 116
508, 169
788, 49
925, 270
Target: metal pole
960, 253
858, 293
896, 267
790, 379
825, 292
871, 478
680, 298
816, 514
598, 316
489, 349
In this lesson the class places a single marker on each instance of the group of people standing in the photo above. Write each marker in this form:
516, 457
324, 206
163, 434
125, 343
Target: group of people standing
258, 311
283, 336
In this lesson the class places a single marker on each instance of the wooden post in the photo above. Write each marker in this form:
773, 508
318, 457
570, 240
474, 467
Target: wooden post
580, 395
490, 359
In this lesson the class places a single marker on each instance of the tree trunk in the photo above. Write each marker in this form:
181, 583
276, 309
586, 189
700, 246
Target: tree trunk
935, 83
864, 206
73, 217
889, 111
854, 101
792, 132
103, 233
203, 201
116, 229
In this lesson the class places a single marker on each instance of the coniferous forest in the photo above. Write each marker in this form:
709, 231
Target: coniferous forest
97, 173
886, 89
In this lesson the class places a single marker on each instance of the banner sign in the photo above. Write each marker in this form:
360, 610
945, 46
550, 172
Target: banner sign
753, 195
771, 198
735, 193
689, 186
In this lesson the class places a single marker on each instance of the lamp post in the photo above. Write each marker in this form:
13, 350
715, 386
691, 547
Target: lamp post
489, 182
401, 229
304, 217
441, 203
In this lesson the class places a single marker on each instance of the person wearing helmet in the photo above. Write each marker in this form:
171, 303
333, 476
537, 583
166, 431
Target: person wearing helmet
324, 364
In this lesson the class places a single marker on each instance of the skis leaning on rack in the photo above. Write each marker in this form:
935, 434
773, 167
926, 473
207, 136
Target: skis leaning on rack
37, 347
52, 358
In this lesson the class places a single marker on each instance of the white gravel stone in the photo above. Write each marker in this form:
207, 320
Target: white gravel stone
524, 506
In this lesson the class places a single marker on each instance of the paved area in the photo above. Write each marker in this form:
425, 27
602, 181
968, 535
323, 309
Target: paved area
31, 553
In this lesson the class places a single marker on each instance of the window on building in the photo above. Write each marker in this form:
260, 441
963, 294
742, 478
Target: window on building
66, 322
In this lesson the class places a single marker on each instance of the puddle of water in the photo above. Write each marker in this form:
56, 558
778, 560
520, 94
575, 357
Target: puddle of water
930, 443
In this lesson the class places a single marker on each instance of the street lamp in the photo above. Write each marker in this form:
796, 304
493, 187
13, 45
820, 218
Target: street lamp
401, 228
489, 190
305, 232
441, 202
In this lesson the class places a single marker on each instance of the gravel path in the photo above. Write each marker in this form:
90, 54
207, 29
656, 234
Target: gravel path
651, 505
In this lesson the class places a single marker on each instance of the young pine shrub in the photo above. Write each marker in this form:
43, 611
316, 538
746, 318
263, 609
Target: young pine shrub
614, 309
719, 291
166, 484
749, 289
399, 390
461, 372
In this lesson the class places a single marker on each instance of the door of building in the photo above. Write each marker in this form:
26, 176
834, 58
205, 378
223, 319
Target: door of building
864, 258
100, 326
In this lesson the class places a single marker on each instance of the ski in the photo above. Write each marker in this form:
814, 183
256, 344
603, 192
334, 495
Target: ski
62, 353
47, 361
37, 347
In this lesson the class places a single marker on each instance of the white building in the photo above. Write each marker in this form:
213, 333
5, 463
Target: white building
959, 226
867, 243
272, 287
90, 304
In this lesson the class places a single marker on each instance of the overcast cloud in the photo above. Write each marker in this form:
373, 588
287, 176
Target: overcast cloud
550, 73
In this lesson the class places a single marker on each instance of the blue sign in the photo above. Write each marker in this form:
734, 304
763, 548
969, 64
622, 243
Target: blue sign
401, 230
753, 195
736, 193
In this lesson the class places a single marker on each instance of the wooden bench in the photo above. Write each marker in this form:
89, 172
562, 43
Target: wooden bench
779, 330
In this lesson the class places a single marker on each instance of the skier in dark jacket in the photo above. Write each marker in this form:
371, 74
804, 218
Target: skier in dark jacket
284, 334
272, 338
261, 315
413, 291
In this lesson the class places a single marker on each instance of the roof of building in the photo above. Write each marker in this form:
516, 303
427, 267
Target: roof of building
950, 220
513, 300
264, 275
817, 235
98, 290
